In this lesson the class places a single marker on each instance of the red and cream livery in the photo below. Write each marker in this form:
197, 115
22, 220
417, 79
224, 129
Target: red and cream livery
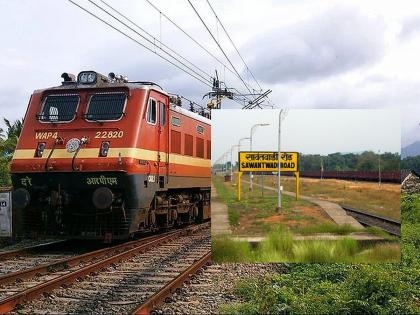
103, 157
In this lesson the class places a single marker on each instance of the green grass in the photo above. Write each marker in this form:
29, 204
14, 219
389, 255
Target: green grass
386, 288
254, 207
328, 228
224, 249
381, 233
369, 197
279, 246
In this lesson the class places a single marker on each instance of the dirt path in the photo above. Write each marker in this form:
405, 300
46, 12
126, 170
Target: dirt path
219, 216
336, 213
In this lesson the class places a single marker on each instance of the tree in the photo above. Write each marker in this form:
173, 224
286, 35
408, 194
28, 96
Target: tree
8, 142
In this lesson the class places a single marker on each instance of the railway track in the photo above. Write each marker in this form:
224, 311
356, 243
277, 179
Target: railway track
29, 249
118, 279
32, 256
390, 226
156, 299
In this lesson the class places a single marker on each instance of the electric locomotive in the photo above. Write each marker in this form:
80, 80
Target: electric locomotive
102, 157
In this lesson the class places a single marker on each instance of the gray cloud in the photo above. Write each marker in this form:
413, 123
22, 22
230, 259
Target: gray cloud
338, 40
410, 26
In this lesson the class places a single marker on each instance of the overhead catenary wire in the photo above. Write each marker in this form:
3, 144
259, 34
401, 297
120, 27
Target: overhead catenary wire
218, 44
154, 38
233, 44
270, 103
191, 38
150, 41
154, 47
199, 78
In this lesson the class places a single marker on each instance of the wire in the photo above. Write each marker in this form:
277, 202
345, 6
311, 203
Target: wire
190, 37
139, 43
233, 44
237, 50
154, 38
151, 42
220, 47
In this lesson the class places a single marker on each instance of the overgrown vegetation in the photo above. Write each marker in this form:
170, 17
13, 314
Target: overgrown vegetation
366, 161
327, 228
384, 200
342, 288
248, 215
279, 246
8, 141
411, 163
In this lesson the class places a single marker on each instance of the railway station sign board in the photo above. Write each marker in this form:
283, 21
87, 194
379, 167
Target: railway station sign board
268, 161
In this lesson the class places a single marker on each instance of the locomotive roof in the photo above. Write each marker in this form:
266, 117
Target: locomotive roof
191, 114
132, 85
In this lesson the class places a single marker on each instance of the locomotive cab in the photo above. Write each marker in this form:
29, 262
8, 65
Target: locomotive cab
94, 160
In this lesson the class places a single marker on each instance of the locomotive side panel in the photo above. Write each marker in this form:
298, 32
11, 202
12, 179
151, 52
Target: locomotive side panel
181, 171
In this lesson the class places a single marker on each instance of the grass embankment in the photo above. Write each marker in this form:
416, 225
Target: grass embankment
342, 288
384, 200
256, 214
279, 246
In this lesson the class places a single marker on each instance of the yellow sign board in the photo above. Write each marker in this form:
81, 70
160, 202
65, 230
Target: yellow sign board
268, 161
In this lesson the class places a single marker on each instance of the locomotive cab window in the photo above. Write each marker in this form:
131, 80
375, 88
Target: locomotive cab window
59, 108
162, 114
151, 117
106, 107
200, 129
176, 121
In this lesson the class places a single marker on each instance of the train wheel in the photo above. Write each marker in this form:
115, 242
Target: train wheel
152, 221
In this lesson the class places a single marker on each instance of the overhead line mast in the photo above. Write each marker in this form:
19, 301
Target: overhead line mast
190, 37
220, 47
176, 59
233, 44
251, 104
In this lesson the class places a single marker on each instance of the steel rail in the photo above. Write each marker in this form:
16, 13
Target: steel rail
388, 225
156, 299
7, 304
71, 261
25, 250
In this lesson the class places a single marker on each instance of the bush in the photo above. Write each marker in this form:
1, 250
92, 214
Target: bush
340, 288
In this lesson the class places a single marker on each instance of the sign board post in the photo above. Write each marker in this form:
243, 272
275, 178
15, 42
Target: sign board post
267, 161
262, 184
239, 186
297, 185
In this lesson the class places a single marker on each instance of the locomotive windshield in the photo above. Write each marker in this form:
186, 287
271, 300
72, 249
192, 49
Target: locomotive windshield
106, 107
59, 108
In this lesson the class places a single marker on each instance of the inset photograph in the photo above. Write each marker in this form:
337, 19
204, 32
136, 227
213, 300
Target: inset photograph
306, 185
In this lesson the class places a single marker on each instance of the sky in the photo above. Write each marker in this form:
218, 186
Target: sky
310, 53
308, 131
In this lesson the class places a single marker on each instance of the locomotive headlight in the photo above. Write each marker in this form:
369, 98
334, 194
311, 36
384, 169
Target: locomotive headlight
40, 149
103, 152
87, 77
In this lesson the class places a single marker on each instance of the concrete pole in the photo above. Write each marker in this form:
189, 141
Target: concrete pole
231, 161
239, 143
279, 165
379, 167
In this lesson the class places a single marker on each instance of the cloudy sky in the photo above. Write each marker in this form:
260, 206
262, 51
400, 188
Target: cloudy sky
311, 53
309, 131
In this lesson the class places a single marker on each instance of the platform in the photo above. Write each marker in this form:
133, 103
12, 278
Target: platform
219, 216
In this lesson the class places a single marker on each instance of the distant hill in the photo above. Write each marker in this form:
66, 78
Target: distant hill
411, 150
